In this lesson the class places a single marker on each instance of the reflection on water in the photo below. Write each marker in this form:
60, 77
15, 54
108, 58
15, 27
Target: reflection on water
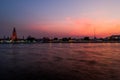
68, 61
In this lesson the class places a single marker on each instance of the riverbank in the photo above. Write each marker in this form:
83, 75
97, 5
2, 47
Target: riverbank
28, 42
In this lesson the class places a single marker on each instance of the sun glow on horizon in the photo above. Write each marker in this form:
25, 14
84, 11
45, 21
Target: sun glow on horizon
61, 18
80, 27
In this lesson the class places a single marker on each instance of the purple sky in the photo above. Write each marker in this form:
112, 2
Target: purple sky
59, 18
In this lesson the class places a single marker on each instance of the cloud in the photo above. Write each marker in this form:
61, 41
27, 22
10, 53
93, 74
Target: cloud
85, 26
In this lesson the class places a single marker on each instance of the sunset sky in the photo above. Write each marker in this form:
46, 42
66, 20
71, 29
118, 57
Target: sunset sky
60, 18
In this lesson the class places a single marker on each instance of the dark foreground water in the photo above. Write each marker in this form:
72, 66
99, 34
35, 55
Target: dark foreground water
85, 61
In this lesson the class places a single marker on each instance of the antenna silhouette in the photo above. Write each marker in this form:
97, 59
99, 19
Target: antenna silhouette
94, 32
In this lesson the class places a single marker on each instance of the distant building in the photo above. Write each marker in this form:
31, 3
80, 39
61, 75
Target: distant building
115, 37
14, 35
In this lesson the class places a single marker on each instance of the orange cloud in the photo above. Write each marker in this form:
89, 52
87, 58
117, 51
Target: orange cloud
79, 27
86, 27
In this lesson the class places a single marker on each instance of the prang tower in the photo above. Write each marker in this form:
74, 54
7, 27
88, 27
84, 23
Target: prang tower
14, 35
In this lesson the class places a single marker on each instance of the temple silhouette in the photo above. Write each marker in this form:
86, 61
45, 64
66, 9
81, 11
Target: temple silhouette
14, 35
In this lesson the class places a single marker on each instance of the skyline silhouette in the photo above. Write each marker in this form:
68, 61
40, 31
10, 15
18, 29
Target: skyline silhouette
85, 39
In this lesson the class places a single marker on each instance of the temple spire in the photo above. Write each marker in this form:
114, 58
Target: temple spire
14, 35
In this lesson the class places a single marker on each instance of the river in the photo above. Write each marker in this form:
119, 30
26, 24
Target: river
60, 61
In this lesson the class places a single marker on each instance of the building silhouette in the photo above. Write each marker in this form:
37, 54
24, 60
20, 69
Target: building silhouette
115, 37
14, 35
